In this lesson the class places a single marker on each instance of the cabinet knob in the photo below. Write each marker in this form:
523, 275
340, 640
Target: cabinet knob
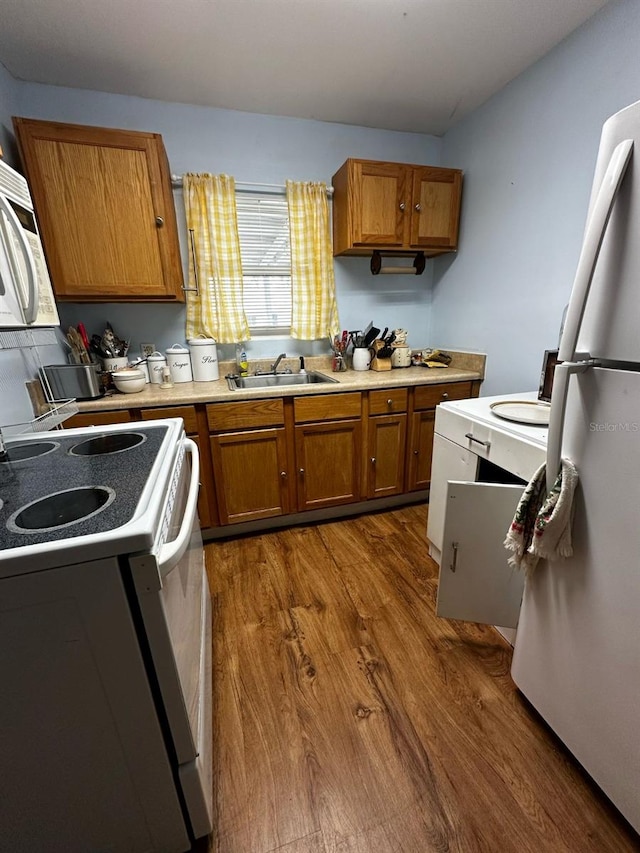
402, 205
373, 460
416, 452
283, 474
445, 396
418, 207
159, 221
390, 403
301, 472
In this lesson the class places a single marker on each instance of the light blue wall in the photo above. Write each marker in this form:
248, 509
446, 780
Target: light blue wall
251, 148
8, 87
528, 156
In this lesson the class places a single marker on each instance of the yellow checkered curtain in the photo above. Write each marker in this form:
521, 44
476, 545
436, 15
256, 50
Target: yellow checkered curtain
217, 310
314, 310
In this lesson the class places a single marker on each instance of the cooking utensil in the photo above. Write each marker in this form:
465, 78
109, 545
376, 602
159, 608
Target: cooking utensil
384, 334
80, 354
371, 335
83, 334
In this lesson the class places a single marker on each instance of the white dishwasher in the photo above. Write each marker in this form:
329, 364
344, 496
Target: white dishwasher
481, 464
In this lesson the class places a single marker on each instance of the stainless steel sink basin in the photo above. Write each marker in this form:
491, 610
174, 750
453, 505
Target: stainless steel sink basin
277, 380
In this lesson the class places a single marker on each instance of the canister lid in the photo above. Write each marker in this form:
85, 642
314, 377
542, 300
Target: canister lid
156, 356
177, 349
197, 342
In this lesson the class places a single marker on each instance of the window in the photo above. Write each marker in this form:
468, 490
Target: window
263, 228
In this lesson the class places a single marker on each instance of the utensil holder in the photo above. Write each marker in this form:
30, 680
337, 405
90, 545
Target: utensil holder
112, 364
361, 358
380, 363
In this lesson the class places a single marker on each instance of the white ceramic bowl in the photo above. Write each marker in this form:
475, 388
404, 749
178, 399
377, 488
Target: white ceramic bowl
129, 381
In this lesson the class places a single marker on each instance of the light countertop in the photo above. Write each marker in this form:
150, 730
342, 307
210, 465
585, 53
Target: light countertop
464, 367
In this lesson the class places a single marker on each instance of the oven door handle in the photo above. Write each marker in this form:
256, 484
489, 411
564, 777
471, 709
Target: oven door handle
172, 552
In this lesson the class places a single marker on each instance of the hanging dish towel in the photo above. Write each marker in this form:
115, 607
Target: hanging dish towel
541, 527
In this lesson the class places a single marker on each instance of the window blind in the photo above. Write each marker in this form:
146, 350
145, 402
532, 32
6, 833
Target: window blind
263, 229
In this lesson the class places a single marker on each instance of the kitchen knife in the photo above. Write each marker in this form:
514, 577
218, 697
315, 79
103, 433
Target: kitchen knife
371, 335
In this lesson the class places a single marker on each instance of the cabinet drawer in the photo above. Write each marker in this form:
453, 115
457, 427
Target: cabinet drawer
86, 419
428, 396
327, 407
388, 402
509, 451
245, 414
187, 413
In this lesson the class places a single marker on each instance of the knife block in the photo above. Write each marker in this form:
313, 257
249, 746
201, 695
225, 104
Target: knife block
378, 363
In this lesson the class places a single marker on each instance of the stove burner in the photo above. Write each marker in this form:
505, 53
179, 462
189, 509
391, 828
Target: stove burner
115, 442
61, 509
20, 452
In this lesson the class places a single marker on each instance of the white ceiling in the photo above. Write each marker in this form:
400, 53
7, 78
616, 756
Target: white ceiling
410, 65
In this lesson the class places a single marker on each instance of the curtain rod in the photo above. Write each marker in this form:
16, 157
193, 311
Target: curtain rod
245, 186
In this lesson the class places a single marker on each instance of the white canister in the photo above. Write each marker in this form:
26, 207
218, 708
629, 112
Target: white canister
179, 363
401, 357
204, 359
155, 362
361, 358
111, 364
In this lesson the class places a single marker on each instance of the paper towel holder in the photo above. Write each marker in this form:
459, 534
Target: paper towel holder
417, 268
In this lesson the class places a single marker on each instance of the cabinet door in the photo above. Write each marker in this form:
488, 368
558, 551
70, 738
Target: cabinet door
435, 207
387, 440
476, 582
378, 203
250, 472
449, 462
328, 463
420, 450
105, 210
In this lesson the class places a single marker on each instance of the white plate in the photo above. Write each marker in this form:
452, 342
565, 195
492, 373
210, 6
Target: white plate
523, 411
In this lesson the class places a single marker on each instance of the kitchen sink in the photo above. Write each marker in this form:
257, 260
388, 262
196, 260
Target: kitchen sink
277, 380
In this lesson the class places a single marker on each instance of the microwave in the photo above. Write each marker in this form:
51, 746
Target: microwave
26, 295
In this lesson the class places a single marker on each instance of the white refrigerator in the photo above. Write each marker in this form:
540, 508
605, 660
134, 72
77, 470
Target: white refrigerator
577, 651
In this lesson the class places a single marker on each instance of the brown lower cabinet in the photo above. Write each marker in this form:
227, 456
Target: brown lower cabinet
328, 463
250, 473
422, 423
273, 457
387, 438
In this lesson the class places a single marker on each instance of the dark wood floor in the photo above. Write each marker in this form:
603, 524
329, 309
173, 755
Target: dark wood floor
348, 718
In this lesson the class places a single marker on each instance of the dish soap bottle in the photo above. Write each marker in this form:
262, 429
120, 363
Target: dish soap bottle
242, 362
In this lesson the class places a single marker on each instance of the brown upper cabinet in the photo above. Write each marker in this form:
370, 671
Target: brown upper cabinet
105, 211
395, 207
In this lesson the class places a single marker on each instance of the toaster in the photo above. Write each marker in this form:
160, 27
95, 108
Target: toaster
66, 381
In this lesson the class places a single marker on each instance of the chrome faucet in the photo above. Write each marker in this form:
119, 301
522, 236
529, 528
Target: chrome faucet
274, 367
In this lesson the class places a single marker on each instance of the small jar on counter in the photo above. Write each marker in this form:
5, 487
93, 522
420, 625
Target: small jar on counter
155, 362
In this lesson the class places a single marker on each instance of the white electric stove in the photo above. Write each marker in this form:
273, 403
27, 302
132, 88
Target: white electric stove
106, 630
